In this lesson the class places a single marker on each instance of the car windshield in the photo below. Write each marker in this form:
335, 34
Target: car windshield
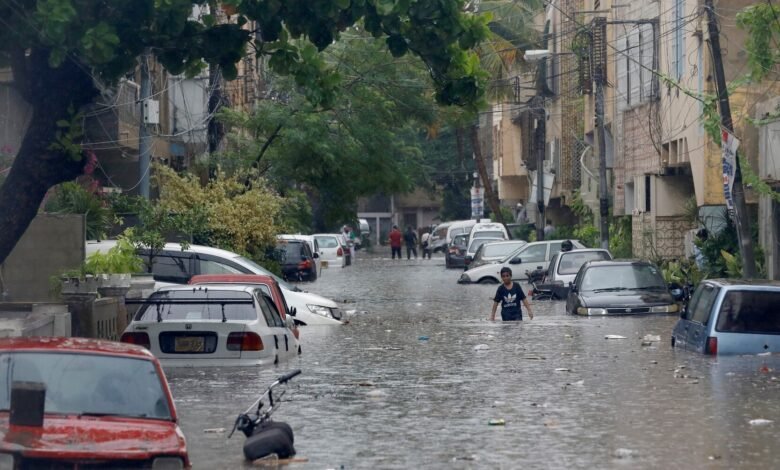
197, 305
477, 242
750, 311
493, 250
489, 234
87, 383
622, 276
460, 240
572, 262
257, 269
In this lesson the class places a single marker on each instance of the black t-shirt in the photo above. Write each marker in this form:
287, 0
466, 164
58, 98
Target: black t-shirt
410, 237
510, 301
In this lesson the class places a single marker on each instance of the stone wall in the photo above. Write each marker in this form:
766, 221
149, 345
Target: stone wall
51, 245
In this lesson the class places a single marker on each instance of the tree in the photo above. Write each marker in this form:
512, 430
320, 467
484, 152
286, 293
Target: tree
64, 52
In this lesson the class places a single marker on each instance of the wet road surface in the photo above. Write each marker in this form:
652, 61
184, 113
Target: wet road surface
377, 394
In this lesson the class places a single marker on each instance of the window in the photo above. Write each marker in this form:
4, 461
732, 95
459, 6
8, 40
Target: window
327, 242
572, 262
214, 267
270, 312
169, 267
677, 54
749, 312
199, 306
635, 62
701, 303
534, 254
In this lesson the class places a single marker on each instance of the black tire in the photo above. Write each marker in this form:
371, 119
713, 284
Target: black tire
487, 280
267, 442
286, 428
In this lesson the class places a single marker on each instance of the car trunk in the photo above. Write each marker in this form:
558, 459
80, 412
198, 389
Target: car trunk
182, 339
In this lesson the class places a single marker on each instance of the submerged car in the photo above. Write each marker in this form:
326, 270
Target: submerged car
297, 260
731, 316
224, 325
455, 256
474, 245
526, 258
331, 249
619, 288
494, 251
564, 267
85, 403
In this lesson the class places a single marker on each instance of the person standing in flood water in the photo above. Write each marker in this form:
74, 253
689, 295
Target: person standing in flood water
410, 237
395, 241
509, 295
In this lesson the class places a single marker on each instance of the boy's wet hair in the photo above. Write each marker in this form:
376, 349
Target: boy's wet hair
506, 270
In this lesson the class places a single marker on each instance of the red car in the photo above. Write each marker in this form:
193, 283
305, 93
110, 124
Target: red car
271, 288
73, 402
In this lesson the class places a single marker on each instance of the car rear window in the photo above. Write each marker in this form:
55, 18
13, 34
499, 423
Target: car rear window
488, 234
498, 249
290, 251
750, 311
572, 262
197, 305
328, 242
87, 383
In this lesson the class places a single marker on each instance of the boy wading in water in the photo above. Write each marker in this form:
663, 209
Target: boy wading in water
509, 296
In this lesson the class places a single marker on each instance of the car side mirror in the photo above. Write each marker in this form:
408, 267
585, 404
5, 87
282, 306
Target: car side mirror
469, 259
316, 255
572, 287
516, 260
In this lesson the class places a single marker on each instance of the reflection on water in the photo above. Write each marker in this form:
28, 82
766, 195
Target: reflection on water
377, 393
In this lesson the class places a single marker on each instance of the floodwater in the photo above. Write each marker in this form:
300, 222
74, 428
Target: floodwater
376, 394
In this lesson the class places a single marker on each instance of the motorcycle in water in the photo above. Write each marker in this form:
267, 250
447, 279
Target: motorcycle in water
263, 435
535, 279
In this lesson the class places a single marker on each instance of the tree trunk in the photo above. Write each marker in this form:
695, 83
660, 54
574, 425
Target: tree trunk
489, 194
53, 94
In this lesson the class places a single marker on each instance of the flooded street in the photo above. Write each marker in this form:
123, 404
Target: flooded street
377, 393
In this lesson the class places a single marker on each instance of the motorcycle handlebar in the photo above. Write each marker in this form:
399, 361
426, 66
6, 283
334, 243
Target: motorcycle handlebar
288, 376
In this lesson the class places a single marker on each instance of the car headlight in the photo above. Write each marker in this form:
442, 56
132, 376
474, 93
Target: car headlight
320, 310
464, 278
7, 461
167, 463
671, 308
591, 311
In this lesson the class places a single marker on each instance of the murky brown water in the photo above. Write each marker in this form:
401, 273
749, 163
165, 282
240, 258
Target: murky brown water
373, 394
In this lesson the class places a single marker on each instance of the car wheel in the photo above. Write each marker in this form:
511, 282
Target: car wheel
267, 442
488, 280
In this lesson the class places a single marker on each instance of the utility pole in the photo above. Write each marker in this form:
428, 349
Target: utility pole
145, 138
491, 197
738, 192
599, 52
539, 143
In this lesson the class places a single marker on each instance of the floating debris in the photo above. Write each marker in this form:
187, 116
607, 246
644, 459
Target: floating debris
496, 422
562, 369
614, 337
214, 430
622, 453
760, 422
481, 347
423, 338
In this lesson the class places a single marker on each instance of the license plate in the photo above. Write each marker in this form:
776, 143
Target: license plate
191, 344
324, 264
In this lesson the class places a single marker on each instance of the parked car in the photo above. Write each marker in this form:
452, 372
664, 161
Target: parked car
266, 283
731, 316
299, 263
455, 256
489, 230
106, 405
526, 258
331, 250
565, 265
619, 288
226, 325
172, 265
495, 251
474, 245
438, 239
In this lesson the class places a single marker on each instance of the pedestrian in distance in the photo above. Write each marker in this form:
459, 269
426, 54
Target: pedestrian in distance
395, 241
425, 244
548, 229
410, 237
509, 295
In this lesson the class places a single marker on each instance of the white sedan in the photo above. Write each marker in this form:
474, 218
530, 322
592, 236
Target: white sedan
331, 249
229, 325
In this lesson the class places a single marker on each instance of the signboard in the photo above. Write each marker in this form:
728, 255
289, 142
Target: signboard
477, 203
729, 145
549, 180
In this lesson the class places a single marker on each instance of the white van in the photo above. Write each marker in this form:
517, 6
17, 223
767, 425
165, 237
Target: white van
488, 230
438, 240
461, 226
176, 266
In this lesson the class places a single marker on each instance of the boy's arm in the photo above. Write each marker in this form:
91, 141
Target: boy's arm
528, 307
493, 312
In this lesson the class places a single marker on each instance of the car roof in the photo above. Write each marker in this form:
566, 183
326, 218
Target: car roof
95, 245
223, 286
286, 236
484, 241
744, 282
77, 345
613, 262
232, 279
